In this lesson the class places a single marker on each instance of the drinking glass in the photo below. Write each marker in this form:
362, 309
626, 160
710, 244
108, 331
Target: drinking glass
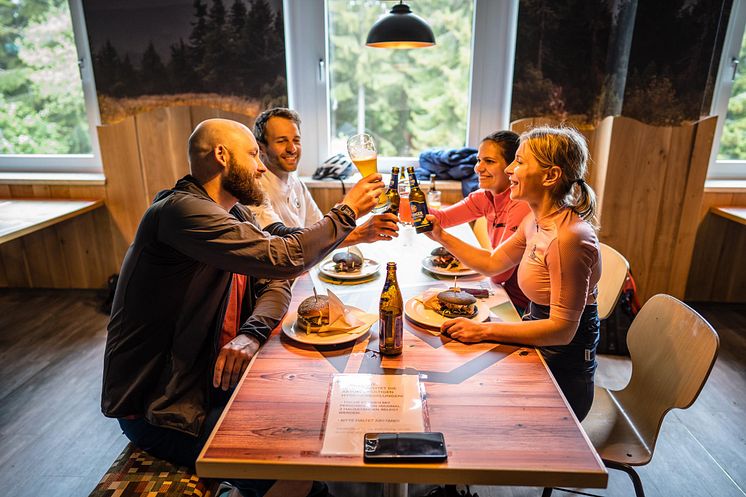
362, 151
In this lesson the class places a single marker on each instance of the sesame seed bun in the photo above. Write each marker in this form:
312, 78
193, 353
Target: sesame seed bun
313, 313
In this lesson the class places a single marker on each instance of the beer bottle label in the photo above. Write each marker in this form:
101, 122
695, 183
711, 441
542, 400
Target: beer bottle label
390, 333
419, 211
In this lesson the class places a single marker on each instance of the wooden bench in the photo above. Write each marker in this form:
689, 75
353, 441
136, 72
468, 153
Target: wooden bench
19, 217
136, 473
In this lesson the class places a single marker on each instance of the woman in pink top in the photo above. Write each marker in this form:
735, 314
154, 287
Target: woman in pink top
560, 262
493, 201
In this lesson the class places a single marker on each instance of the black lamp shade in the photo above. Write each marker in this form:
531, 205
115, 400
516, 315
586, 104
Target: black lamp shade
400, 28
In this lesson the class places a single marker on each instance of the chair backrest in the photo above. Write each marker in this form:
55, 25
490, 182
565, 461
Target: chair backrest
673, 350
614, 268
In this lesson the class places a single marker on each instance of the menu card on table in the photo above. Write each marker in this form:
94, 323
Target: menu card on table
369, 403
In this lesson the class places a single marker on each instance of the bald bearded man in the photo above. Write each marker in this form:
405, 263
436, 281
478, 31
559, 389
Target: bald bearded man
200, 289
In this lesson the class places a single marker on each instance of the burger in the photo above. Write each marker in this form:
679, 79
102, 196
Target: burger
455, 303
313, 313
347, 262
442, 258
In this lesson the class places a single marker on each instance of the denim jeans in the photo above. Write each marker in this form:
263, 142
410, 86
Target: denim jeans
573, 365
182, 449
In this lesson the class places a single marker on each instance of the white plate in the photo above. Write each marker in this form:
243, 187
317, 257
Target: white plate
288, 327
369, 268
416, 311
462, 270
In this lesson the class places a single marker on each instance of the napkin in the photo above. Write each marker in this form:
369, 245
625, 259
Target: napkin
343, 318
429, 297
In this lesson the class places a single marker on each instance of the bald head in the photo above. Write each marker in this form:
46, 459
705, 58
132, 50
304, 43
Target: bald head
209, 142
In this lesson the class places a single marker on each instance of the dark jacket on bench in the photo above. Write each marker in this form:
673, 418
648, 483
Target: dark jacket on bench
172, 294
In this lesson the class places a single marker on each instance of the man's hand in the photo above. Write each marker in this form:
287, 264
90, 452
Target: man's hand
232, 361
377, 228
364, 195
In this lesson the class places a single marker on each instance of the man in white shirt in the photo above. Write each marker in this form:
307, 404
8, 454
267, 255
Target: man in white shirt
288, 200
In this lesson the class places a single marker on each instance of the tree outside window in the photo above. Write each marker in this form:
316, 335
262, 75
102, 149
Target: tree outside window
42, 108
408, 100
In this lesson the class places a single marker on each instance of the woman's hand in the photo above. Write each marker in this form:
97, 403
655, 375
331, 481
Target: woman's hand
436, 233
465, 330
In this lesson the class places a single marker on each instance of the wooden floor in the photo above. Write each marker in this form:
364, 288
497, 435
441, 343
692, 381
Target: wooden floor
55, 442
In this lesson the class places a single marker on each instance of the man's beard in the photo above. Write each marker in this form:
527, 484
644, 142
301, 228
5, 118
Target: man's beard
242, 184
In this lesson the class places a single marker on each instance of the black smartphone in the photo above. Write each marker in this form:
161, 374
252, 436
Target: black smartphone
404, 447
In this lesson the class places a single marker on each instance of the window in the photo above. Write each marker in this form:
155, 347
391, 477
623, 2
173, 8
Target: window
408, 99
45, 117
729, 102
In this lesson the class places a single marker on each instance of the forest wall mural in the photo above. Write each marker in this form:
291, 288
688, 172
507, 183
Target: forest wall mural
152, 53
652, 60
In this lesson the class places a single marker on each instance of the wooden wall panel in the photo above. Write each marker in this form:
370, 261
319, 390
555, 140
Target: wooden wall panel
718, 267
653, 184
126, 195
692, 201
162, 136
200, 113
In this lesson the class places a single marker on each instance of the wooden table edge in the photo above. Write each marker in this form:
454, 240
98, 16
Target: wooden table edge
731, 213
94, 204
397, 473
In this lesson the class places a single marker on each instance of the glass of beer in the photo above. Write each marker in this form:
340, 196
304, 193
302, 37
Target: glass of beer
362, 151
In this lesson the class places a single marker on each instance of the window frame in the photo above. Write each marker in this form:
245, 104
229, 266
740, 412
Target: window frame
68, 163
490, 78
727, 169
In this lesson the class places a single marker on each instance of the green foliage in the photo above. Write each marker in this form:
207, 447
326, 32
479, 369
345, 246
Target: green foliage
41, 100
733, 140
411, 99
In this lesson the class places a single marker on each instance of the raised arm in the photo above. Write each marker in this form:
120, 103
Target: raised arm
571, 259
486, 262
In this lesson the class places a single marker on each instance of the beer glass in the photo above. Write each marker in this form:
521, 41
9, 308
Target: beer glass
362, 151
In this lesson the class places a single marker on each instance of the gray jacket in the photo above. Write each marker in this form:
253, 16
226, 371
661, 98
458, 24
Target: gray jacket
172, 294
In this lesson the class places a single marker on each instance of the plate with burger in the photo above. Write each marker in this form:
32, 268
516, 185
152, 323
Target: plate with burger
325, 320
436, 306
349, 265
443, 263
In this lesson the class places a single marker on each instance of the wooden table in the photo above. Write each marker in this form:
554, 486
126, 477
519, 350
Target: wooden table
736, 214
19, 217
504, 420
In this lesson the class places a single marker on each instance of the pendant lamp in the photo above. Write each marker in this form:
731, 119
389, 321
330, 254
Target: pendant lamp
400, 28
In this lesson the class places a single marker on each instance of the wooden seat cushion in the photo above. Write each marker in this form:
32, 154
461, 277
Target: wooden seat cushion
136, 473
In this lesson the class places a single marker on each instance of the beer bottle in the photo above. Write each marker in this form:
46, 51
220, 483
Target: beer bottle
433, 195
418, 204
393, 192
390, 309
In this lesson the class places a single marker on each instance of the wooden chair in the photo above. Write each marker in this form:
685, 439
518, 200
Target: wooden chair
614, 268
673, 350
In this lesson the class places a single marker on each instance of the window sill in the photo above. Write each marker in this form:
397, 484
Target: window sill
725, 186
83, 179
